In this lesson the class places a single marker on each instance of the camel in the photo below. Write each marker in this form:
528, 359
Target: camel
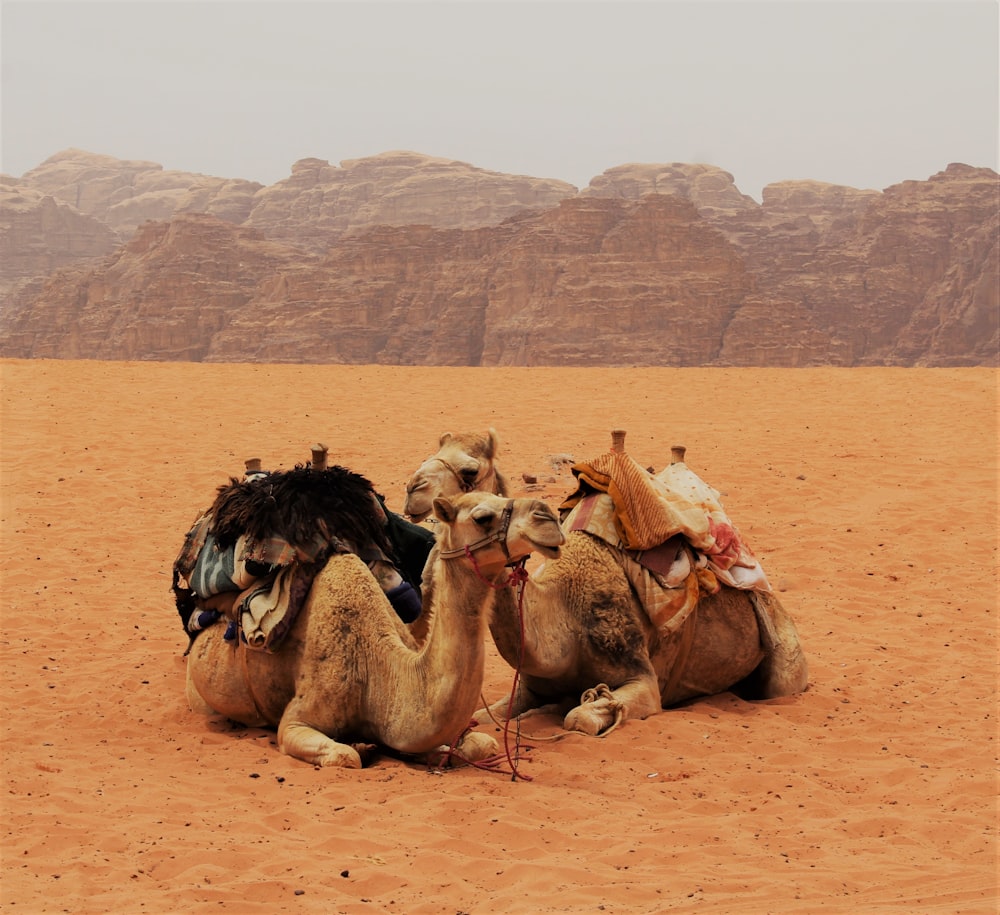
349, 668
585, 647
463, 463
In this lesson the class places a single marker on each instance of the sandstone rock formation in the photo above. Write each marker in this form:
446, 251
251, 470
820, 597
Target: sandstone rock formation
39, 235
123, 194
405, 259
321, 202
709, 188
161, 296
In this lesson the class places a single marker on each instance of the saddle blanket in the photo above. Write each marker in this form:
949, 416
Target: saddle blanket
269, 581
671, 534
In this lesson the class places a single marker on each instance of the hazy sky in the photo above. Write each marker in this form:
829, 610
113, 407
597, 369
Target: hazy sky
853, 92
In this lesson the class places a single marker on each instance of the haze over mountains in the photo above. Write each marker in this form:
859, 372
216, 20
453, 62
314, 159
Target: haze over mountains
404, 258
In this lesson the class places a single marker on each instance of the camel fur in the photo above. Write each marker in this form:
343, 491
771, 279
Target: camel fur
589, 650
350, 672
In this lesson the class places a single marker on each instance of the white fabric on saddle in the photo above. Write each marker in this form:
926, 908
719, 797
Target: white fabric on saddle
728, 553
264, 607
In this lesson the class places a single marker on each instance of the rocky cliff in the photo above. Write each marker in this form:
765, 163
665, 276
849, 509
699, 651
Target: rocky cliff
40, 235
319, 202
406, 259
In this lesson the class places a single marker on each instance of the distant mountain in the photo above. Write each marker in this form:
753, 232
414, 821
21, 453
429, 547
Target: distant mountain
403, 258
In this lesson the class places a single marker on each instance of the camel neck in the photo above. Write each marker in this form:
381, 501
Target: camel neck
443, 680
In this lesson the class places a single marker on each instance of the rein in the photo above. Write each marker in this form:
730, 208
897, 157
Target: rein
517, 579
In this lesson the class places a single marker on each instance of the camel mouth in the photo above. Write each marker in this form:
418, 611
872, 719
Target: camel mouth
547, 550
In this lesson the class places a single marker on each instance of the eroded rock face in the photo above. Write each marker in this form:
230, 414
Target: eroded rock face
709, 188
162, 296
606, 281
40, 235
651, 265
124, 194
903, 277
321, 202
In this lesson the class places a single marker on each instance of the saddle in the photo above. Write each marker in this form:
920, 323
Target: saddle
669, 530
253, 556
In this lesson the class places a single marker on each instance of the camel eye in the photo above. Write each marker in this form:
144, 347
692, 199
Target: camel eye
469, 474
485, 519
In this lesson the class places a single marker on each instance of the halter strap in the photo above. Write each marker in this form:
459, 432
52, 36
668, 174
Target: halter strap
498, 536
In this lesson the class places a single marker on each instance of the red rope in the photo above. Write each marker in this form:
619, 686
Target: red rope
517, 578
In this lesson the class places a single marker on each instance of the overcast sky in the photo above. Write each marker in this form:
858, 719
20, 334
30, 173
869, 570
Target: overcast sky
852, 92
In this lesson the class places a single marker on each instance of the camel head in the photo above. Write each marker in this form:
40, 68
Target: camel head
494, 530
463, 463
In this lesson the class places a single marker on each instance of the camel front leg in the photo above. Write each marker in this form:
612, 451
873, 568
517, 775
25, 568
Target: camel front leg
602, 709
525, 702
306, 743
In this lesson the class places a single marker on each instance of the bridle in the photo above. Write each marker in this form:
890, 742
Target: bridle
498, 536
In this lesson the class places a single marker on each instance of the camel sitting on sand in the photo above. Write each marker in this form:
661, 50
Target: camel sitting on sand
349, 669
584, 644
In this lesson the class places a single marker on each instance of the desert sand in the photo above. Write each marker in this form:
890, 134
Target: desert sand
870, 496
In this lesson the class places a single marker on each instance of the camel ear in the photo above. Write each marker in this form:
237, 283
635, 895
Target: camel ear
444, 510
444, 438
492, 444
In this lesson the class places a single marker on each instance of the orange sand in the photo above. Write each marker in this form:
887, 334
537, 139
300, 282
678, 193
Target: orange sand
870, 496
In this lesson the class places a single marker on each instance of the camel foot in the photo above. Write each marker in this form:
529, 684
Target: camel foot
474, 747
593, 718
602, 709
303, 742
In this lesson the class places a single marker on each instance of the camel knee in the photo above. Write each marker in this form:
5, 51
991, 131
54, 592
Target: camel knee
783, 672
